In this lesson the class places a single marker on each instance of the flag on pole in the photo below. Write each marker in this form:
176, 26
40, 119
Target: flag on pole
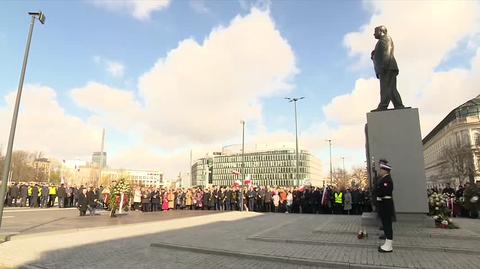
248, 180
324, 197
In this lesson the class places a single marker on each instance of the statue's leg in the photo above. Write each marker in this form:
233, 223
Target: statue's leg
396, 99
385, 81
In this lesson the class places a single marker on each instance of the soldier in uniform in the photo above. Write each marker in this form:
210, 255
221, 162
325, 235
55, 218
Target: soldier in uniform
384, 190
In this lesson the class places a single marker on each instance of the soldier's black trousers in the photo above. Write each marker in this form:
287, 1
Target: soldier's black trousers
385, 210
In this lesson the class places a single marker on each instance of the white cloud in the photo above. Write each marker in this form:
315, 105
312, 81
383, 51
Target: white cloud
423, 38
199, 6
43, 125
114, 68
139, 9
200, 91
110, 106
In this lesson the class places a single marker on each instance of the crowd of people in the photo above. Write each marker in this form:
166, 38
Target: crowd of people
315, 200
43, 195
261, 199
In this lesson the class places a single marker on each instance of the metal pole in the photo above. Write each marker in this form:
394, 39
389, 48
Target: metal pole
344, 172
296, 144
243, 163
8, 156
331, 171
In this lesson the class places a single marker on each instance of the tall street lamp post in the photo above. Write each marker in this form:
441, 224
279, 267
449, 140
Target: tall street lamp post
294, 100
331, 171
8, 157
243, 164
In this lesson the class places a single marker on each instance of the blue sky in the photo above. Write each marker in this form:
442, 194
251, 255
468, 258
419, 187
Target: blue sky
81, 40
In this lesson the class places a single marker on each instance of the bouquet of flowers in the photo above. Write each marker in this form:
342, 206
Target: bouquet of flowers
438, 209
122, 186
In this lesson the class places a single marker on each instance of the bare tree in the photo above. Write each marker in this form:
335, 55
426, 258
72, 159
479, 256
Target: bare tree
359, 177
458, 162
341, 178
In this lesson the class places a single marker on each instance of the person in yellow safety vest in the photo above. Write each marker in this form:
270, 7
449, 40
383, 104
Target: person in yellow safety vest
29, 194
338, 195
52, 192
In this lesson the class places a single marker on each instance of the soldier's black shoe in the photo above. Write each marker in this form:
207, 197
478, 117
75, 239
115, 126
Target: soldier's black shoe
383, 237
384, 251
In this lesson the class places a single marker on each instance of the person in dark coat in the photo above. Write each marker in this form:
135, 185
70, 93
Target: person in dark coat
146, 200
92, 200
155, 194
212, 201
356, 201
221, 199
82, 202
76, 194
251, 194
268, 200
34, 196
44, 196
315, 200
62, 195
23, 195
14, 194
261, 199
228, 199
207, 196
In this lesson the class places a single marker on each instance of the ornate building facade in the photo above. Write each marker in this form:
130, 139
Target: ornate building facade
452, 148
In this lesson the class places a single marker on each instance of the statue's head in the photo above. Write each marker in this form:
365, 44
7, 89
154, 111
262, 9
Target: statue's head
380, 31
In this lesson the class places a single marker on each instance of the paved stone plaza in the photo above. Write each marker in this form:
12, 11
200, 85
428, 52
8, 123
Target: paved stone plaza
193, 239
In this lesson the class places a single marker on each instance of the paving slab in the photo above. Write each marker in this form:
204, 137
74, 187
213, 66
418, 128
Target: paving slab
221, 240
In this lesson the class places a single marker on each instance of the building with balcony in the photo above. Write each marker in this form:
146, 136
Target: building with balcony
460, 129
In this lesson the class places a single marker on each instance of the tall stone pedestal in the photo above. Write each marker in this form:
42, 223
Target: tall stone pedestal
395, 135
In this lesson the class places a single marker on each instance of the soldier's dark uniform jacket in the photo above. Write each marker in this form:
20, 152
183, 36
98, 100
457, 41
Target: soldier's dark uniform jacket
384, 187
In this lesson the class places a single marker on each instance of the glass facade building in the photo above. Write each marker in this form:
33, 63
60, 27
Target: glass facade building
275, 167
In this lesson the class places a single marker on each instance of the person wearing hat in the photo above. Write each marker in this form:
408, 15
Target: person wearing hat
384, 190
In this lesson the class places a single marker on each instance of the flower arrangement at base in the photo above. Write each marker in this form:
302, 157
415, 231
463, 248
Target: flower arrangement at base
438, 209
122, 186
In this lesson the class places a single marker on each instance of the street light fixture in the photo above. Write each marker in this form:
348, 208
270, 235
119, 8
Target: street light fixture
242, 122
8, 157
294, 100
331, 171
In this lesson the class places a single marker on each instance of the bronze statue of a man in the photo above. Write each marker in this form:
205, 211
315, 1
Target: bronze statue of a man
386, 69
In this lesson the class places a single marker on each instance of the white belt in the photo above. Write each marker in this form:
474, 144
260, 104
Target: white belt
384, 198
